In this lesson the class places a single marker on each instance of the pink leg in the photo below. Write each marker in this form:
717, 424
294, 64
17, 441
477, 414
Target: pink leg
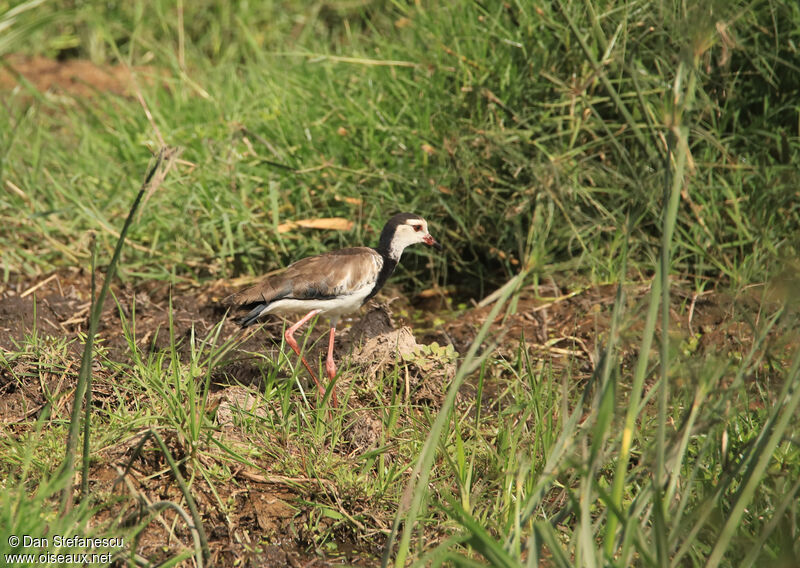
330, 366
289, 335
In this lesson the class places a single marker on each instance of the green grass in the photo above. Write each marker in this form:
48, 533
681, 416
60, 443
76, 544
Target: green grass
587, 142
275, 130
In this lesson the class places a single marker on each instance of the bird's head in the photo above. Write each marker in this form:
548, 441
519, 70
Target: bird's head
405, 229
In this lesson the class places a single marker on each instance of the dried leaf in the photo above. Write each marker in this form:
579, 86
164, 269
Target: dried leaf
350, 200
328, 223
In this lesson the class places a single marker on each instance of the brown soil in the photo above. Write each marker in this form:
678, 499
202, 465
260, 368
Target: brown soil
557, 326
74, 77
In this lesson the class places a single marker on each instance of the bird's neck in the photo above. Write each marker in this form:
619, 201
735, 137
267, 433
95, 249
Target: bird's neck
388, 247
390, 253
387, 267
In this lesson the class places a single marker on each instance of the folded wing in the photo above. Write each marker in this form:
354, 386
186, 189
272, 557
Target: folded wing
325, 276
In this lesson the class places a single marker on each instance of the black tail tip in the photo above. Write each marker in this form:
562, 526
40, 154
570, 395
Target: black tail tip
250, 318
244, 322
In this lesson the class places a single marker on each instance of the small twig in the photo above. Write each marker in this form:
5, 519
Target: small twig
147, 113
78, 317
35, 287
326, 484
695, 295
170, 155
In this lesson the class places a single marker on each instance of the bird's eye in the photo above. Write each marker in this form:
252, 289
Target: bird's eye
418, 228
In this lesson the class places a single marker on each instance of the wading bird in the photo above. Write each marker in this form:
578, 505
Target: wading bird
331, 284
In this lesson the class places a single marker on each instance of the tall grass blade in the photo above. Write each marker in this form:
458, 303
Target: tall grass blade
678, 151
546, 534
88, 402
17, 23
773, 433
607, 84
632, 411
757, 548
197, 521
416, 490
167, 157
480, 539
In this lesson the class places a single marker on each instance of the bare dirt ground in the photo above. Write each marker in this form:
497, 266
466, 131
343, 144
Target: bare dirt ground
559, 326
74, 77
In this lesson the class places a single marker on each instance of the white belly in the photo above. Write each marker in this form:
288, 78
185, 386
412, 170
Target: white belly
332, 308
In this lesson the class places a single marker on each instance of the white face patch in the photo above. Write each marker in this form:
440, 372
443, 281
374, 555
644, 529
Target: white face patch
411, 232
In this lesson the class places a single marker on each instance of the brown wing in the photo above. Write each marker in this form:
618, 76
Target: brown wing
326, 275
